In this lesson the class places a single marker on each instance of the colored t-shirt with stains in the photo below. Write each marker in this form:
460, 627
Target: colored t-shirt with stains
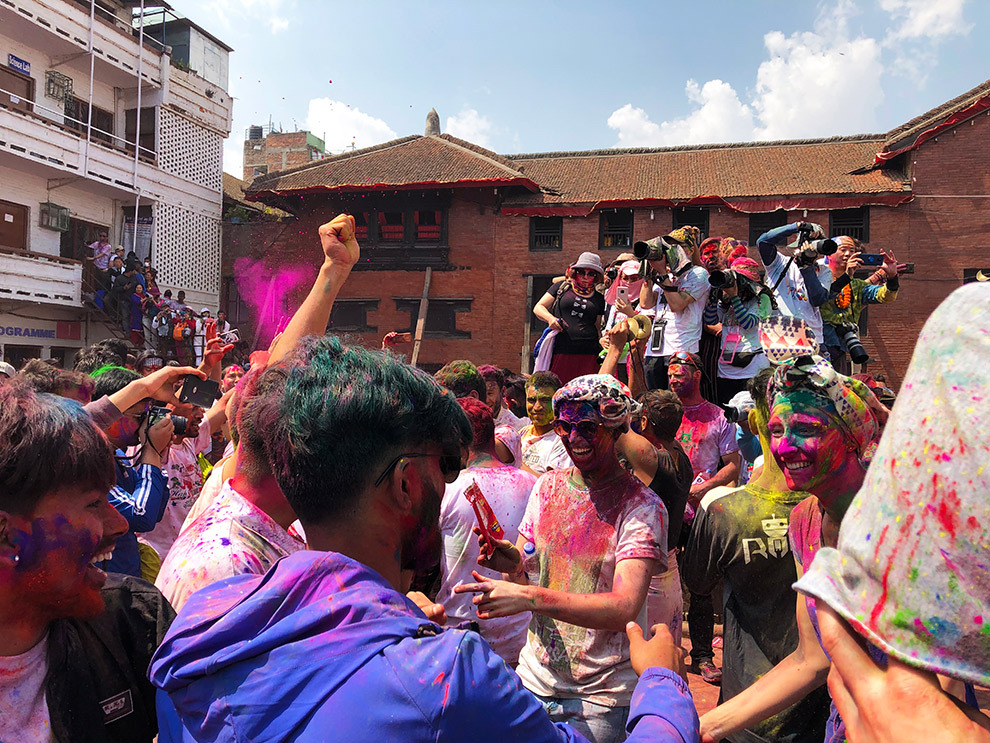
185, 481
507, 491
512, 440
231, 537
739, 536
706, 435
580, 537
543, 453
23, 702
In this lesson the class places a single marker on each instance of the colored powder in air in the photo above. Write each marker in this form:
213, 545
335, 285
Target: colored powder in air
267, 289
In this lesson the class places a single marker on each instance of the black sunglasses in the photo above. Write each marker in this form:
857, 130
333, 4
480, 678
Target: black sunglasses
586, 429
584, 272
450, 466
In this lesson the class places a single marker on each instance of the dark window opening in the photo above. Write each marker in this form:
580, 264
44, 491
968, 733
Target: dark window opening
77, 112
391, 228
237, 309
441, 317
541, 285
692, 217
764, 222
615, 229
428, 226
546, 233
852, 222
351, 315
146, 140
361, 226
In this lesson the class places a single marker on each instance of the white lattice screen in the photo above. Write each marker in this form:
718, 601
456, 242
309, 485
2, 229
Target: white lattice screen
187, 249
189, 151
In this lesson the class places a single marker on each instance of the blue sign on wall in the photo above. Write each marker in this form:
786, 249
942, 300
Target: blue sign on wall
21, 65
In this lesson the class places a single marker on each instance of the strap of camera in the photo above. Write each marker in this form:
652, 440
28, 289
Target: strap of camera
801, 241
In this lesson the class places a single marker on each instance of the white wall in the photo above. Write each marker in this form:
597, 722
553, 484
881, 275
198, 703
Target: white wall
30, 190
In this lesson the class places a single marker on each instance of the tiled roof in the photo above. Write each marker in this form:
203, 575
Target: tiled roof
804, 167
402, 163
931, 118
233, 189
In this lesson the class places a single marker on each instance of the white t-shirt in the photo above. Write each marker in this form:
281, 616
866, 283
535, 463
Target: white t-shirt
580, 538
506, 417
23, 704
543, 453
792, 295
185, 482
507, 491
682, 331
512, 440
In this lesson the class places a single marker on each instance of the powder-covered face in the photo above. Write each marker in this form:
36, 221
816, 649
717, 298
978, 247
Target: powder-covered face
493, 397
69, 529
539, 404
584, 278
683, 380
422, 545
589, 454
844, 251
810, 449
123, 432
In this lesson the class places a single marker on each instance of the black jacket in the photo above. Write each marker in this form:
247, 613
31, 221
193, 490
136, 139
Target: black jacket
97, 686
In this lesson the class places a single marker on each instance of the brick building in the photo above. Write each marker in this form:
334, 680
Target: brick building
277, 151
496, 229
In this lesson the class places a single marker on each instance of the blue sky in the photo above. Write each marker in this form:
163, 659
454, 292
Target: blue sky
548, 76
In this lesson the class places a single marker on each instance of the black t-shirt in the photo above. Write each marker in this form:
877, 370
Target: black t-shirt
740, 536
578, 315
672, 483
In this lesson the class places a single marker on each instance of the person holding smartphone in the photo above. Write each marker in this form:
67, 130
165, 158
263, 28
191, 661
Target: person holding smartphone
622, 301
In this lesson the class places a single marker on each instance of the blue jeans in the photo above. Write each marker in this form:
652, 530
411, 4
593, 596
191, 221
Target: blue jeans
596, 722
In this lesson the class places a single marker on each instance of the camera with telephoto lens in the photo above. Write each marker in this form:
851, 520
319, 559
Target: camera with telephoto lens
157, 413
723, 279
734, 415
809, 252
649, 251
611, 273
850, 336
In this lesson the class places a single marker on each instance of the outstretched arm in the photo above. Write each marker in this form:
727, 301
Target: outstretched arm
340, 253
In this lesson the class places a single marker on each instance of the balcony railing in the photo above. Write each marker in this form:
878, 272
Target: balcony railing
41, 278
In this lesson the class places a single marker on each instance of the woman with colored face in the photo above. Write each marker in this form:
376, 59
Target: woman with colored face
821, 425
575, 310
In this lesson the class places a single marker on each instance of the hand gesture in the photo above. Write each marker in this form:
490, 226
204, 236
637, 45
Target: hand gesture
158, 435
160, 385
555, 324
853, 264
213, 354
340, 247
497, 598
889, 263
618, 334
659, 651
893, 703
623, 305
498, 554
434, 612
812, 230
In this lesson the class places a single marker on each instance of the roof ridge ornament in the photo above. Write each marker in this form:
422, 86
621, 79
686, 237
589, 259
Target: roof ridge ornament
433, 123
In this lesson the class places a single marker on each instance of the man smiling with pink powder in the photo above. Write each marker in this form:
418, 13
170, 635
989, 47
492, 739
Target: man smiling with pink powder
599, 536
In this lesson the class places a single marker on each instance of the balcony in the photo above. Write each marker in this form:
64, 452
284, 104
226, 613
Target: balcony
34, 277
61, 29
61, 152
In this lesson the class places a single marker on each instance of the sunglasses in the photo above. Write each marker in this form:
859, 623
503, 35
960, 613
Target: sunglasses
587, 430
683, 357
450, 466
584, 272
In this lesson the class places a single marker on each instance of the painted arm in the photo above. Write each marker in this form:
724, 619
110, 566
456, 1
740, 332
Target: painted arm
768, 241
637, 371
677, 300
340, 253
610, 611
647, 295
796, 676
640, 453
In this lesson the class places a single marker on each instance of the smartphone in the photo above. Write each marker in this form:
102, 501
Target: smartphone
871, 259
622, 293
231, 336
199, 392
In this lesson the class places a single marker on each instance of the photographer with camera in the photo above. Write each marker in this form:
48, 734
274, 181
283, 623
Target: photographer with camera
848, 296
141, 490
799, 281
744, 300
675, 292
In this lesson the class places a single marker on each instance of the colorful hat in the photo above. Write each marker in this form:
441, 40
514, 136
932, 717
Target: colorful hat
612, 398
589, 260
747, 267
911, 570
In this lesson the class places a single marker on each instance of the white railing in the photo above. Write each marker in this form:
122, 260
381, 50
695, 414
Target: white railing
35, 277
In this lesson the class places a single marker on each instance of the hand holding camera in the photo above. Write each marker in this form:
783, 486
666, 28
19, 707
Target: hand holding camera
159, 433
811, 231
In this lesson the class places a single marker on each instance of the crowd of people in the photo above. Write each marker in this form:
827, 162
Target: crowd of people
336, 545
127, 291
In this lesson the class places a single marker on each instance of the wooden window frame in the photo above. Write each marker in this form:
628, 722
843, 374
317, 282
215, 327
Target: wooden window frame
546, 227
860, 231
605, 233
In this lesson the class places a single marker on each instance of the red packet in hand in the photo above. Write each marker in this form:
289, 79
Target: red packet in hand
490, 528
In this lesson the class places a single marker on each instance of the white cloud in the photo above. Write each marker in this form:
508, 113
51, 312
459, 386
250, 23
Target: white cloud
925, 19
230, 13
341, 125
814, 83
471, 126
719, 116
278, 24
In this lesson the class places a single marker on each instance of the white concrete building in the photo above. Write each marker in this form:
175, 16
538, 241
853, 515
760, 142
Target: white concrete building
73, 160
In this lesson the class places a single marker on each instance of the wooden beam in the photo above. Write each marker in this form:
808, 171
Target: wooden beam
424, 306
527, 325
